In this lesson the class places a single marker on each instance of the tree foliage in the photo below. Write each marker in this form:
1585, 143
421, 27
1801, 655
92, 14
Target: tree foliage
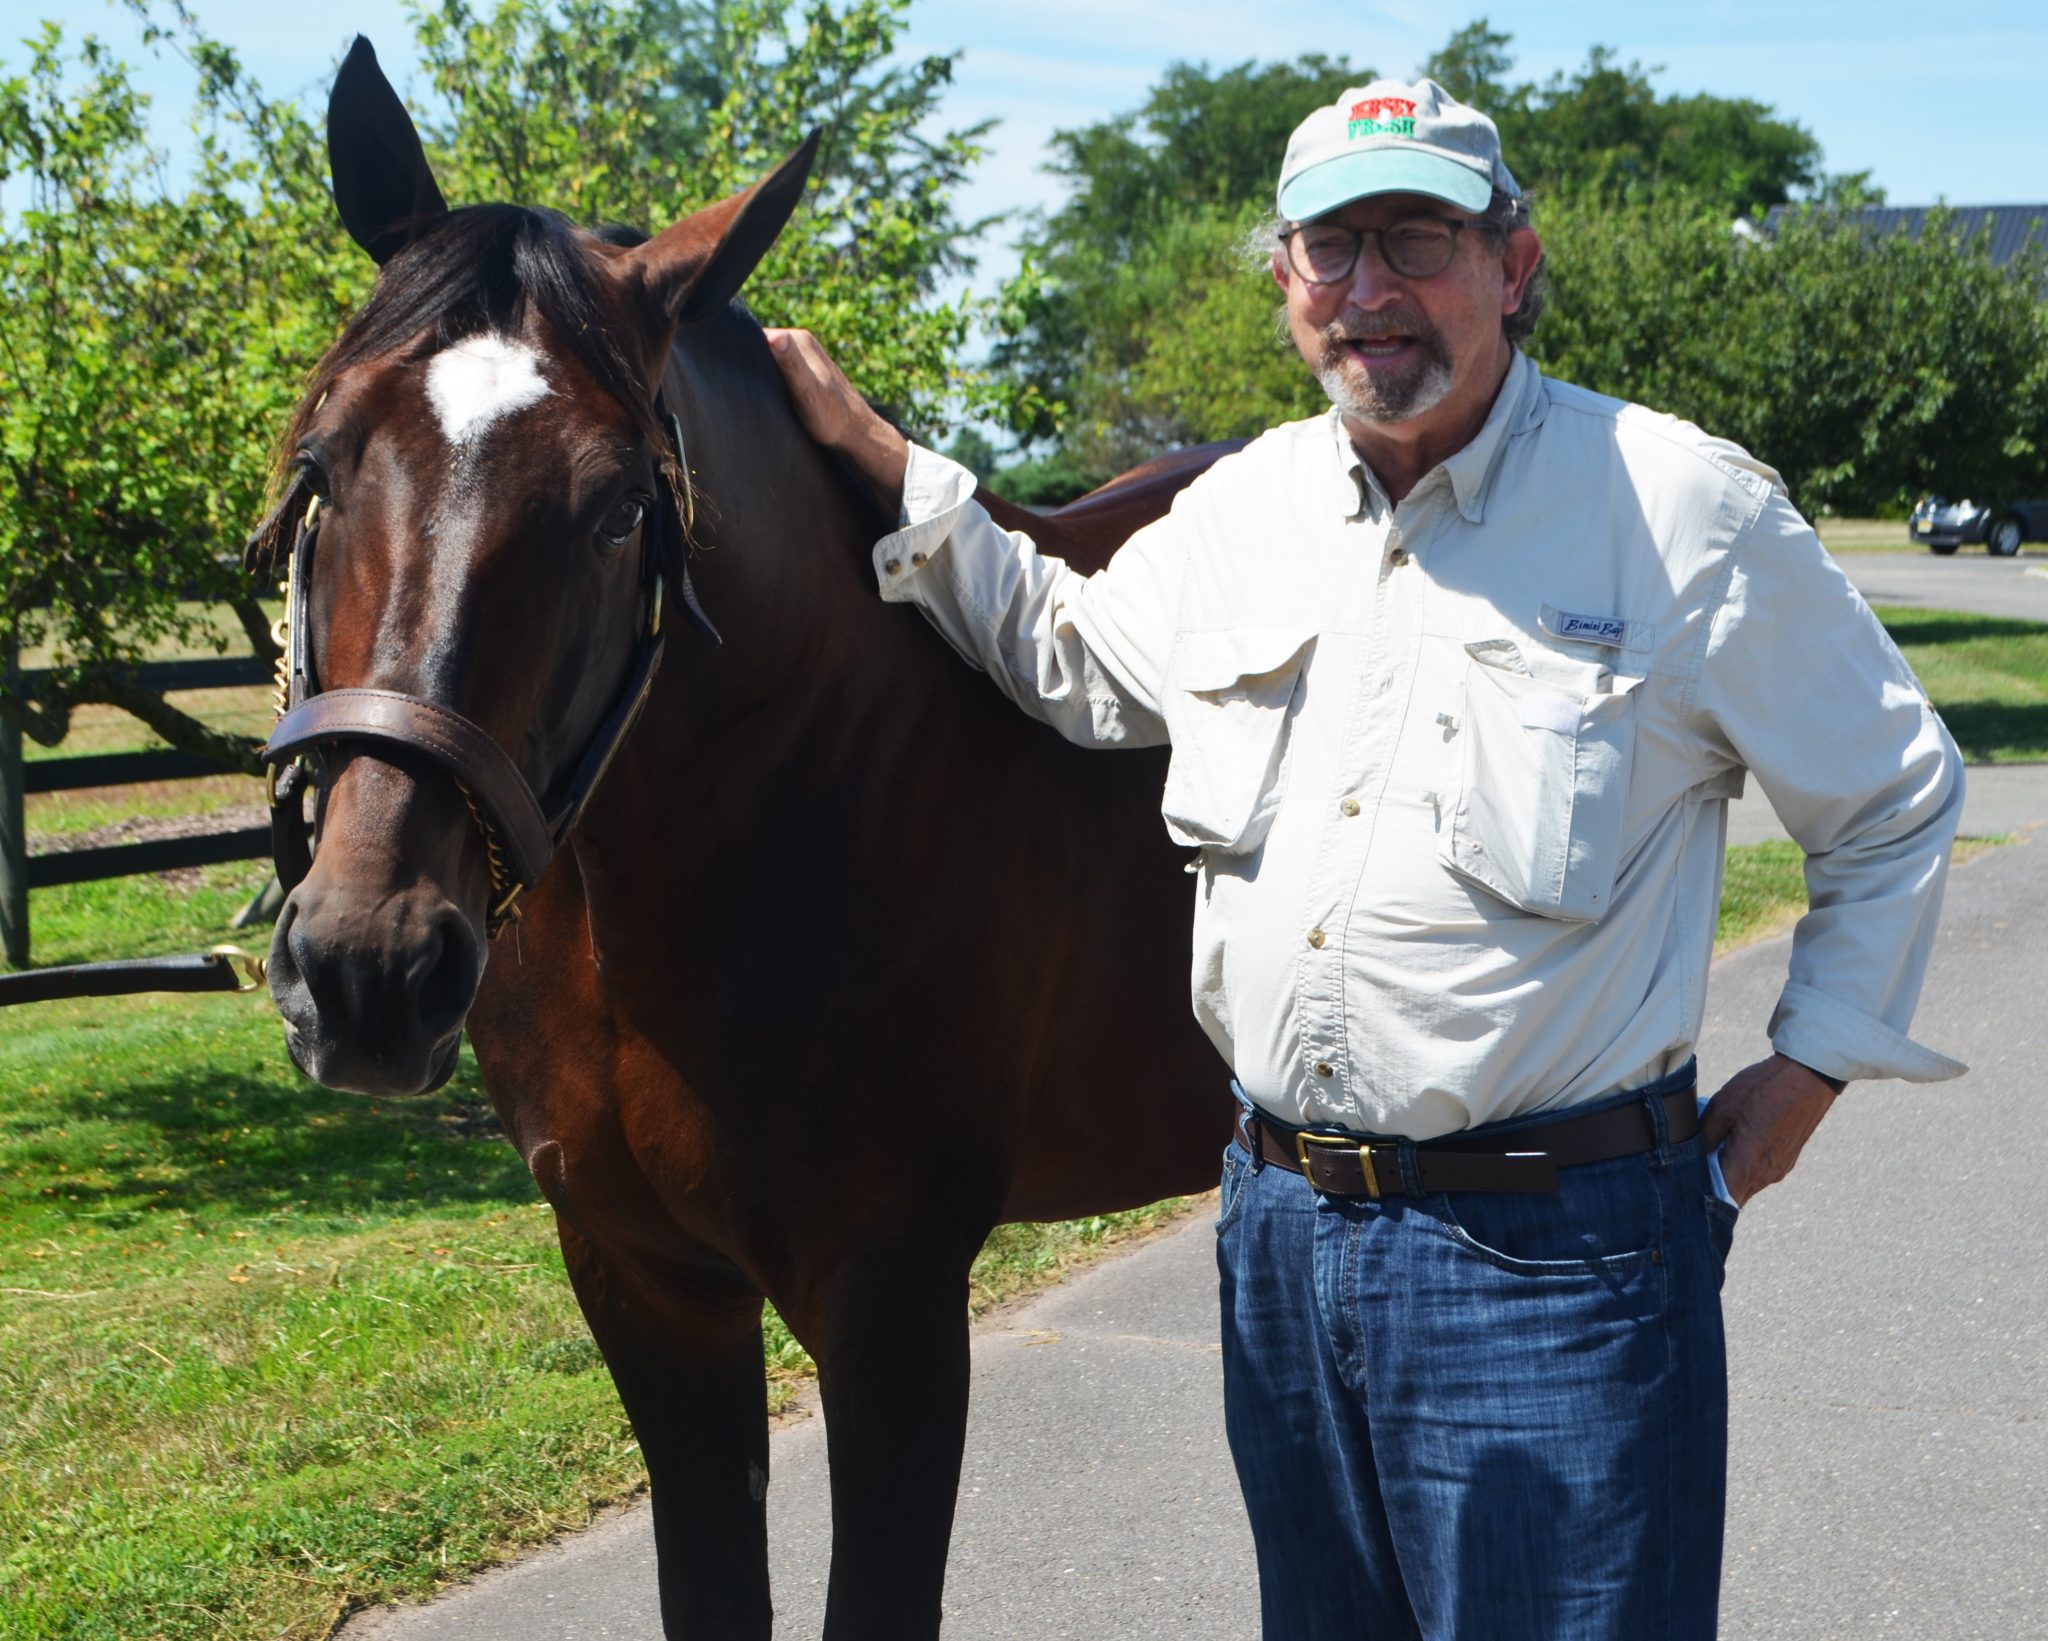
1151, 235
1142, 311
1603, 131
155, 333
151, 341
1866, 369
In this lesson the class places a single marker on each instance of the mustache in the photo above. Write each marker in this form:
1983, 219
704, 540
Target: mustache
1363, 327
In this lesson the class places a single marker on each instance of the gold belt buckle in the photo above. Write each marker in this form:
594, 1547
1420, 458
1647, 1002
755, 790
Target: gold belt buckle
1337, 1142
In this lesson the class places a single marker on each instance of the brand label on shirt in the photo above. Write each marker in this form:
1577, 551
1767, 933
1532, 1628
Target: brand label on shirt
1611, 630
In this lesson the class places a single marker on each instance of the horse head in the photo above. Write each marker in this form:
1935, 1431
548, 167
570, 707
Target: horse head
480, 515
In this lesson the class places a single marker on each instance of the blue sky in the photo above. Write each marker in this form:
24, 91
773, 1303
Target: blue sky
1935, 101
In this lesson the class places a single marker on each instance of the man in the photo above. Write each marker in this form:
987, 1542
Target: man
1458, 681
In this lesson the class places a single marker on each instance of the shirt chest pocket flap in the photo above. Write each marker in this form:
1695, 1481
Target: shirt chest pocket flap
1227, 715
1544, 782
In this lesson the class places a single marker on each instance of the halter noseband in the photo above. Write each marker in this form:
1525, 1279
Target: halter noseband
519, 835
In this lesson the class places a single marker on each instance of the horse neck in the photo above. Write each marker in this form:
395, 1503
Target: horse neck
782, 567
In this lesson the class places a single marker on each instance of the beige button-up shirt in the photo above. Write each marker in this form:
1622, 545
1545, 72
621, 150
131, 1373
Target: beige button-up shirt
1457, 770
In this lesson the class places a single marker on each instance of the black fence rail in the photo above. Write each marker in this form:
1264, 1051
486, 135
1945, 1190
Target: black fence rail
21, 871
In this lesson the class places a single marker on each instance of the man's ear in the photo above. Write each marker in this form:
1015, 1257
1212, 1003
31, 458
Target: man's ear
1279, 266
383, 187
1519, 260
692, 270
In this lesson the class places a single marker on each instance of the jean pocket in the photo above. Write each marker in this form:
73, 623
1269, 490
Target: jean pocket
1227, 710
1604, 1224
1544, 778
1237, 1167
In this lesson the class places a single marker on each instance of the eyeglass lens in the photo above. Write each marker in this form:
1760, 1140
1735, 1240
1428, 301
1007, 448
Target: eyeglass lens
1326, 252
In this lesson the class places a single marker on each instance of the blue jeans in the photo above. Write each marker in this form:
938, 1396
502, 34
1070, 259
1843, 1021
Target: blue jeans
1482, 1416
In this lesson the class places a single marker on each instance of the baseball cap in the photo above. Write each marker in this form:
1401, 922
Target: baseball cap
1392, 137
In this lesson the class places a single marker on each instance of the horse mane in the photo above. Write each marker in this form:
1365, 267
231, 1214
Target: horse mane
486, 268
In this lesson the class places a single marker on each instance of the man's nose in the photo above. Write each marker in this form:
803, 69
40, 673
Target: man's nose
1373, 284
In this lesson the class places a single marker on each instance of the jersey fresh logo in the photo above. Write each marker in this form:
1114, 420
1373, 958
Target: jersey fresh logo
1382, 117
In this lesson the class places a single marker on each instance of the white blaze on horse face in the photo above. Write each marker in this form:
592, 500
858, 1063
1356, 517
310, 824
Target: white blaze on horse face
481, 380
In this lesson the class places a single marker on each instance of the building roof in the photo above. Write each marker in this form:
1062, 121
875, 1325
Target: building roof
2008, 227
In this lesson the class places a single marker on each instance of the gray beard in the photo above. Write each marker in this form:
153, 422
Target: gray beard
1379, 397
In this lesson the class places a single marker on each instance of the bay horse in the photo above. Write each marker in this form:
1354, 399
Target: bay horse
840, 964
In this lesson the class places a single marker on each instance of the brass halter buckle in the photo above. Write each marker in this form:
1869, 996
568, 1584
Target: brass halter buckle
1337, 1142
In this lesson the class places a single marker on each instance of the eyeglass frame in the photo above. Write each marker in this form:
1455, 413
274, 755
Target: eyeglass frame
1379, 238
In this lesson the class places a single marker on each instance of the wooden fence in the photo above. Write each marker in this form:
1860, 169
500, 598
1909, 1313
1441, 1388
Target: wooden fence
20, 871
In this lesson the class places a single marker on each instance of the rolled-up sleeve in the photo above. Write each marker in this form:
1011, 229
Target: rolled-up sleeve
1086, 654
1801, 686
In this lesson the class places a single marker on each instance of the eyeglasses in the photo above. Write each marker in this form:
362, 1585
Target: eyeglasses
1324, 253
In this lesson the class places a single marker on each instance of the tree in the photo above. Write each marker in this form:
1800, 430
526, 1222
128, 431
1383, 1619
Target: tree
1155, 229
1604, 130
1146, 314
1865, 369
153, 339
135, 414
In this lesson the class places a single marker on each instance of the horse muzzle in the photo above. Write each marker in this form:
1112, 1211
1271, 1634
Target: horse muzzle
374, 989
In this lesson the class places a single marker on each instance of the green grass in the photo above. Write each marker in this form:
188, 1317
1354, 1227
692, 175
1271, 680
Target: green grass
1764, 889
1987, 674
1842, 535
268, 1351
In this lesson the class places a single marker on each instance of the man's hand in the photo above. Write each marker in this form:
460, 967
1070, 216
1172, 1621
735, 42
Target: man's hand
838, 417
1762, 1119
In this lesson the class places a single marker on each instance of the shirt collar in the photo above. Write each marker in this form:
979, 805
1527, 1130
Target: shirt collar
1470, 470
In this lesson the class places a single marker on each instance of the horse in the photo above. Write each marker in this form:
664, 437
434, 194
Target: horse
794, 958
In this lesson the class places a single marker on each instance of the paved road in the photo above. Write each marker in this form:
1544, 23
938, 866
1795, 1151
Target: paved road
2002, 798
1967, 581
1999, 800
1888, 1322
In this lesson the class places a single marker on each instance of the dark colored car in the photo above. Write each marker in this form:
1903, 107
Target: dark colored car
2000, 526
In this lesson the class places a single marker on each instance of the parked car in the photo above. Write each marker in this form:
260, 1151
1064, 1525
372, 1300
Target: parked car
2001, 526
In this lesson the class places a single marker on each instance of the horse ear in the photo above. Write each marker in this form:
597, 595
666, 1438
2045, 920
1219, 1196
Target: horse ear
694, 268
382, 184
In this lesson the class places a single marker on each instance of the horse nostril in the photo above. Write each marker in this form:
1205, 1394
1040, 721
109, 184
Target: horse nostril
444, 972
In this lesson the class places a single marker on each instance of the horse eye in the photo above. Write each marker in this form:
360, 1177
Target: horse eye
623, 520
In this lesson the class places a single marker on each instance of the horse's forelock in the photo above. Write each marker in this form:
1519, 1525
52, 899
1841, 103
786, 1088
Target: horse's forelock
483, 269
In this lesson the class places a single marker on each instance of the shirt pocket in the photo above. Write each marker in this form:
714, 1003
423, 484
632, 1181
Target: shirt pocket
1226, 714
1544, 777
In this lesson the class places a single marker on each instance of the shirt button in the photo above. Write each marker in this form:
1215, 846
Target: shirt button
1325, 1069
1316, 937
917, 561
894, 566
1398, 557
1348, 807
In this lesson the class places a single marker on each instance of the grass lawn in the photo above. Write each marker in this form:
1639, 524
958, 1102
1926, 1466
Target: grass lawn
1987, 674
267, 1352
1867, 536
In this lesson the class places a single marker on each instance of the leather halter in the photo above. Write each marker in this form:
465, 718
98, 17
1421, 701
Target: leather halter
520, 833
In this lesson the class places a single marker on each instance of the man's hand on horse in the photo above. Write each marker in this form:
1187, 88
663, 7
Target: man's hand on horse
1761, 1121
835, 415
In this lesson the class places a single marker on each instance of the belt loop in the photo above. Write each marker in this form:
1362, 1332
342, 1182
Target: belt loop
1252, 1120
1411, 1167
1660, 1131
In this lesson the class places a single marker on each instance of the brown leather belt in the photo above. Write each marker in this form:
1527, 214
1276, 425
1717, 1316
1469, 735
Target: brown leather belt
1519, 1159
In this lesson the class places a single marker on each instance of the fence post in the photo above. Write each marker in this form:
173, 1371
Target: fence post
13, 824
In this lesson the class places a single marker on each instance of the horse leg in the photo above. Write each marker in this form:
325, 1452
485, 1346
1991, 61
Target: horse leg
684, 1349
892, 1375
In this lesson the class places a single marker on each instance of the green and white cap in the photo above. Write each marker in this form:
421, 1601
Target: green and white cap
1392, 137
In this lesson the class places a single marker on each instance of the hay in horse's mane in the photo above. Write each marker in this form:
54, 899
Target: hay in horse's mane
480, 269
